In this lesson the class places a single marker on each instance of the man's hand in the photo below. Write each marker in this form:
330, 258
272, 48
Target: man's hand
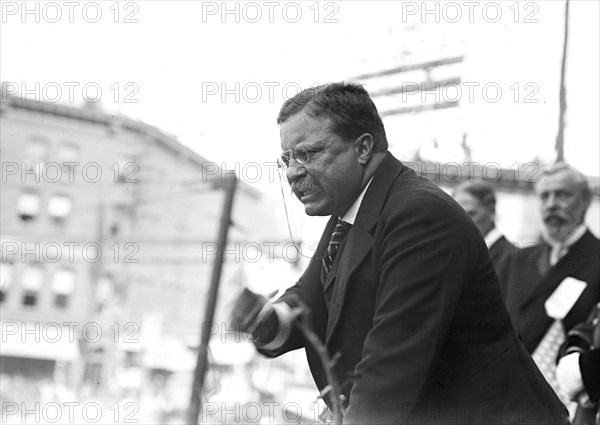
569, 377
253, 314
246, 310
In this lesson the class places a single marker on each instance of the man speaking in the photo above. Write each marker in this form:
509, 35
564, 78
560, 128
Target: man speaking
401, 284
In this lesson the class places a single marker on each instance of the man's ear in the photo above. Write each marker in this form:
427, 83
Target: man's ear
364, 148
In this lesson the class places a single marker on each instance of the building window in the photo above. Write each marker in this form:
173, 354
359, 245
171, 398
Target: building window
28, 206
63, 285
6, 272
36, 153
59, 207
32, 282
37, 147
67, 152
30, 298
93, 370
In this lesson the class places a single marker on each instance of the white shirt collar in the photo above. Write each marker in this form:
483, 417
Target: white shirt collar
350, 215
492, 237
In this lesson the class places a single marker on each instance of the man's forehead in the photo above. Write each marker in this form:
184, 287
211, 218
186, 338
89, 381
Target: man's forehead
302, 129
559, 180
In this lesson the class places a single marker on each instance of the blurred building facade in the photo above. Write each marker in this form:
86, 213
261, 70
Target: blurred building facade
108, 232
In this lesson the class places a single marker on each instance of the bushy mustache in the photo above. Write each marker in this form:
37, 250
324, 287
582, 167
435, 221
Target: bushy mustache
555, 215
300, 188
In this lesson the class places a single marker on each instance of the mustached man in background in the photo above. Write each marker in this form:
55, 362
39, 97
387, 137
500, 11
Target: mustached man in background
555, 284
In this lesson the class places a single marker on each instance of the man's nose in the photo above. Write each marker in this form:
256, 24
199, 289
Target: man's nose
550, 201
294, 171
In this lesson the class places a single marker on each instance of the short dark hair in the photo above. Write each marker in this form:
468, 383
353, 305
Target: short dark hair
347, 105
480, 190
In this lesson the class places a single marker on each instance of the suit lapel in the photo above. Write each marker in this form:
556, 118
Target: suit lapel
359, 244
498, 247
553, 276
543, 262
312, 286
538, 267
359, 241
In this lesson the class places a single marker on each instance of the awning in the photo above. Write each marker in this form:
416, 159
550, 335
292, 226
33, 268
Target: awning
38, 341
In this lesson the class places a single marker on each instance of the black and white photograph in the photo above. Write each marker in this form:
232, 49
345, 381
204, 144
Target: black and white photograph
300, 212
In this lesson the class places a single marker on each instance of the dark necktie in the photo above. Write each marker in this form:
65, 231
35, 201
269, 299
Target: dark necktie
337, 237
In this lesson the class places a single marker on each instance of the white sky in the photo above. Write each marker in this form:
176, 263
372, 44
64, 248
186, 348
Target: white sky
177, 50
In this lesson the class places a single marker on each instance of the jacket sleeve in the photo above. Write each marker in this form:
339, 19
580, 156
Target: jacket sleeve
589, 363
290, 337
417, 283
581, 339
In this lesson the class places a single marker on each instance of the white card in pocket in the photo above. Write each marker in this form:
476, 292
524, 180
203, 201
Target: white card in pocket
564, 297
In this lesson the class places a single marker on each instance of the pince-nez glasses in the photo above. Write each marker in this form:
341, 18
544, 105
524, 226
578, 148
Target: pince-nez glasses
301, 156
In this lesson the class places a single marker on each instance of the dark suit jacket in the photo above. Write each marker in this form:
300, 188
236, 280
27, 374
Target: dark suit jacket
417, 316
503, 255
533, 281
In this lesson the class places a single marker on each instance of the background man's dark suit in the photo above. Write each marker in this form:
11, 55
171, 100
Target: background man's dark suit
503, 254
417, 314
533, 281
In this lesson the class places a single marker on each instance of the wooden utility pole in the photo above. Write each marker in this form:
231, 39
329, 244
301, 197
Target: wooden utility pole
202, 362
560, 137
